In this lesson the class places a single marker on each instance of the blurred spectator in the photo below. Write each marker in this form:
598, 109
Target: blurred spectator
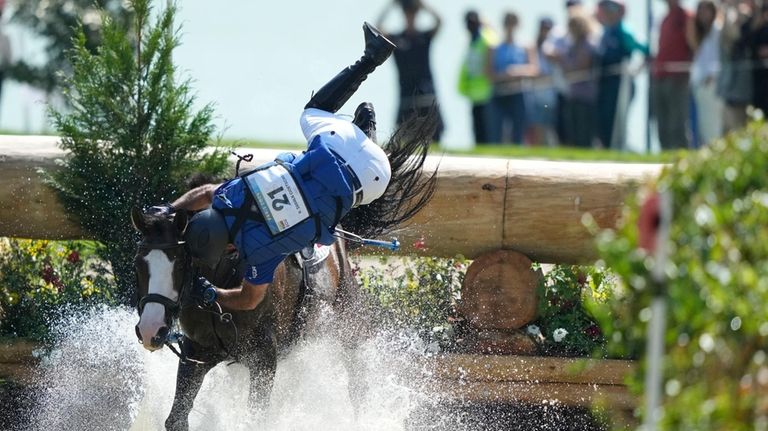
578, 63
760, 57
543, 97
5, 51
670, 73
616, 86
736, 80
509, 64
560, 42
473, 81
417, 88
704, 40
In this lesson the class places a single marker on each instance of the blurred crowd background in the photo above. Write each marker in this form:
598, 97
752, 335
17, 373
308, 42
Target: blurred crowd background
642, 76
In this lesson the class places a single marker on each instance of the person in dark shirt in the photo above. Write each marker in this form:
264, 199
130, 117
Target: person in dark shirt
760, 57
616, 47
417, 88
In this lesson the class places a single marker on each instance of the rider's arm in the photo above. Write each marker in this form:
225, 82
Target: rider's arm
255, 282
247, 297
196, 199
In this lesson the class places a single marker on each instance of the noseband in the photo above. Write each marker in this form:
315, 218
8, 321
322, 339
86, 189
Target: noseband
172, 308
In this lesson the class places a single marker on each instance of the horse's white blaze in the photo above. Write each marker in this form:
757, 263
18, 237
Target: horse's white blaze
160, 270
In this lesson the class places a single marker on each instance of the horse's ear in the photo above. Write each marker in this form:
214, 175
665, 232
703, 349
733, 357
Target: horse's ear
137, 218
180, 220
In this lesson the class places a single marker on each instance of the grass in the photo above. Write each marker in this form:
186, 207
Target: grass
508, 151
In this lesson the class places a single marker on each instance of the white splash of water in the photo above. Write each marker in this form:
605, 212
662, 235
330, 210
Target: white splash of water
99, 378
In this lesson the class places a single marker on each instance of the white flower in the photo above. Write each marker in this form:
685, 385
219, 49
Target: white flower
533, 330
559, 334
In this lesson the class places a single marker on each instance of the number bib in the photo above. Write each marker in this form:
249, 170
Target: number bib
278, 197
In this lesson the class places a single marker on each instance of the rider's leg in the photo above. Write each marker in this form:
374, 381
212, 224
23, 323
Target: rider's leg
365, 119
332, 96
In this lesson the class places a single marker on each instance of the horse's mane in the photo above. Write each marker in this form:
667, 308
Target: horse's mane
409, 189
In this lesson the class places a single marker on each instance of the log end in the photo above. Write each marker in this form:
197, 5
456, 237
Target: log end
500, 291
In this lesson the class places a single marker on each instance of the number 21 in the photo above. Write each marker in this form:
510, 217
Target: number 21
278, 203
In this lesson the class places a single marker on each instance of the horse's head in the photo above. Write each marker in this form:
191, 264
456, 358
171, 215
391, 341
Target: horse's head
162, 270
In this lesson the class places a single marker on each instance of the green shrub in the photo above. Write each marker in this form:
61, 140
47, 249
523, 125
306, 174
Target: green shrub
568, 298
132, 133
421, 295
38, 278
715, 369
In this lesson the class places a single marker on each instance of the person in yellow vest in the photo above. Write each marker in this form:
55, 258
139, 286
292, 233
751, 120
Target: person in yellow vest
474, 84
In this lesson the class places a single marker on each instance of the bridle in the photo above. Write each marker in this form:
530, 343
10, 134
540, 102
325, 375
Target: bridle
173, 308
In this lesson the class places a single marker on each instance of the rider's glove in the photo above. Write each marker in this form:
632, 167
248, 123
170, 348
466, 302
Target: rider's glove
162, 210
204, 291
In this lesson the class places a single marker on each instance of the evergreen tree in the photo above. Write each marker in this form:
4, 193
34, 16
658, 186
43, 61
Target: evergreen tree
57, 21
132, 132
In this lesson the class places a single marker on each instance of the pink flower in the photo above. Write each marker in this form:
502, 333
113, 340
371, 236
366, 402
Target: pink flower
74, 257
593, 331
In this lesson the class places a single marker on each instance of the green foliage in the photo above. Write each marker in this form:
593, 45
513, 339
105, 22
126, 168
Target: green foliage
420, 296
57, 22
132, 132
716, 287
568, 296
38, 278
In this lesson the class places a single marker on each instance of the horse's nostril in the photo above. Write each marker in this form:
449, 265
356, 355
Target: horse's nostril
159, 339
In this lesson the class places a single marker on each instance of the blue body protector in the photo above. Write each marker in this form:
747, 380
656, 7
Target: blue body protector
327, 193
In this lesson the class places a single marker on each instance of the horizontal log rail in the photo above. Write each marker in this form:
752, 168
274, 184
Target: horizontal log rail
567, 381
458, 377
481, 204
18, 359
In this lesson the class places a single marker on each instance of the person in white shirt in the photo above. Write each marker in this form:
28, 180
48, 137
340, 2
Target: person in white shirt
704, 38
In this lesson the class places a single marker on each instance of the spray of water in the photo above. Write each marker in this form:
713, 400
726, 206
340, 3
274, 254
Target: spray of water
99, 378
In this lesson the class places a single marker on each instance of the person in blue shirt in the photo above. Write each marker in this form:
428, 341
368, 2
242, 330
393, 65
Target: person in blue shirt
298, 200
616, 47
510, 65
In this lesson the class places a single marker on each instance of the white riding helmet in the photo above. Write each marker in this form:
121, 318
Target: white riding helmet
366, 161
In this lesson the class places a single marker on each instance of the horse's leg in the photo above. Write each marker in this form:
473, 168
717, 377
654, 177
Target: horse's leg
262, 364
189, 379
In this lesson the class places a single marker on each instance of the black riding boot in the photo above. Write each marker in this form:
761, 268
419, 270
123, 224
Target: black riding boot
365, 119
338, 90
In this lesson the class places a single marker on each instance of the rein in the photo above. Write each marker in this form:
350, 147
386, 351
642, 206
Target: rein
173, 308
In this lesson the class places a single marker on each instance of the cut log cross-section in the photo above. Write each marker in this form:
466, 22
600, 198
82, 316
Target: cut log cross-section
499, 291
497, 298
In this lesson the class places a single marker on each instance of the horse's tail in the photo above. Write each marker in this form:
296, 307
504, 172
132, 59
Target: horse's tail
409, 190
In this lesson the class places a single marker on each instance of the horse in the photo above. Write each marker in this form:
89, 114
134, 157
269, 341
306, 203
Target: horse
165, 274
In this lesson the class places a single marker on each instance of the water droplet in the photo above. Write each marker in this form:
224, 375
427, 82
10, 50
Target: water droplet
736, 323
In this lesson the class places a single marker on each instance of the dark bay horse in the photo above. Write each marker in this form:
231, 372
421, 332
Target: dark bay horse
211, 335
165, 272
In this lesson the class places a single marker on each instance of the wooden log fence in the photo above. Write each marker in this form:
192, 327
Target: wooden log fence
502, 212
481, 204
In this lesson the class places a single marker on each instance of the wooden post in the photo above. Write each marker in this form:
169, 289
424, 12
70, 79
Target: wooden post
499, 297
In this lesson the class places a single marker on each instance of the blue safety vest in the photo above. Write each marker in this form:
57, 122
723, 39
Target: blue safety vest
325, 190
